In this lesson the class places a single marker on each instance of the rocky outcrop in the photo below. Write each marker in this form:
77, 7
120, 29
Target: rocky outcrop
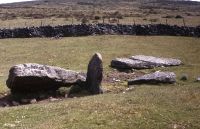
95, 74
100, 29
158, 61
35, 77
154, 78
143, 62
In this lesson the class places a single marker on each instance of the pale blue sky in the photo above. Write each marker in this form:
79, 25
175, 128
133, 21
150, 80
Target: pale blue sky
11, 1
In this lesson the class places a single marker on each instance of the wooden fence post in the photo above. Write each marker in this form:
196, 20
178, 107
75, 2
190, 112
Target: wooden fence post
184, 21
134, 21
72, 20
41, 23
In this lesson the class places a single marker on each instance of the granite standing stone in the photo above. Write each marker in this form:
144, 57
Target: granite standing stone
95, 74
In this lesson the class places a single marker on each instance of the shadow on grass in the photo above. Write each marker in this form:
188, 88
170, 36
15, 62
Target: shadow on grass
18, 98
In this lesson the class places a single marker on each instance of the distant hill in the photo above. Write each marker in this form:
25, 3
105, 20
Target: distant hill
128, 11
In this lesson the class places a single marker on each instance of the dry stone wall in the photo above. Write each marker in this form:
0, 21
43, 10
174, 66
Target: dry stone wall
100, 29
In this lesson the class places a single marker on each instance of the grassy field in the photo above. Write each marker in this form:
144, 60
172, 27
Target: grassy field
147, 106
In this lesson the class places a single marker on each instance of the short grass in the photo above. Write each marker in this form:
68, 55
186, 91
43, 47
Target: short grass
147, 106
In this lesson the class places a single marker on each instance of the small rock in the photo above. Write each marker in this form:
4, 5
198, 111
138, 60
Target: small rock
154, 78
9, 125
66, 95
4, 104
33, 101
130, 89
198, 79
116, 80
25, 101
14, 103
53, 99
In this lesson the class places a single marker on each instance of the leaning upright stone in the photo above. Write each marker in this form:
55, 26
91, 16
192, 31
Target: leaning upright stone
95, 74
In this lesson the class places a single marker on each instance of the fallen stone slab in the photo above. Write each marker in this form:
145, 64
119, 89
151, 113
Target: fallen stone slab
158, 61
143, 62
198, 79
126, 63
154, 78
95, 74
33, 77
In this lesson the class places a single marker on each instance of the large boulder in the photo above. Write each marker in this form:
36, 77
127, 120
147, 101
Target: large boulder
154, 78
127, 63
158, 61
95, 74
33, 77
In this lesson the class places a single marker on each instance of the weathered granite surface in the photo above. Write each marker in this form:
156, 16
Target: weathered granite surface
158, 61
36, 77
127, 63
154, 78
95, 74
143, 62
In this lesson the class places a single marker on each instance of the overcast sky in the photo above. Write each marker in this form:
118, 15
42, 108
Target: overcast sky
11, 1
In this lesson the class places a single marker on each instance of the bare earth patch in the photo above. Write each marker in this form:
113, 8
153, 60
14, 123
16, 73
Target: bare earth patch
116, 76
